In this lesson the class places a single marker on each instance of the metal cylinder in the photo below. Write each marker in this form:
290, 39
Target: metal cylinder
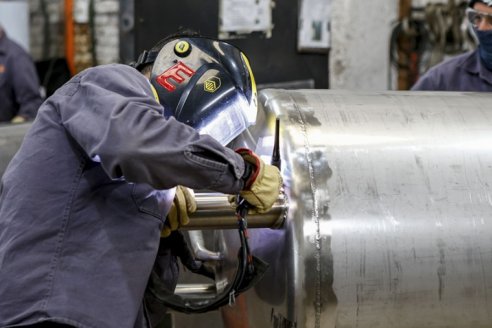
215, 212
195, 289
390, 205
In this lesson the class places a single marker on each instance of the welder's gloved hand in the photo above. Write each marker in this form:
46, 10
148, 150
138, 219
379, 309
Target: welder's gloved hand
262, 185
179, 215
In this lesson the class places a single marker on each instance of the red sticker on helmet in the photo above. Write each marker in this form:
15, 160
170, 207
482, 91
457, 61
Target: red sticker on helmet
174, 73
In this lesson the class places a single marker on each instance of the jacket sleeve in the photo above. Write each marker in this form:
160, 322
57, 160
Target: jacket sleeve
111, 113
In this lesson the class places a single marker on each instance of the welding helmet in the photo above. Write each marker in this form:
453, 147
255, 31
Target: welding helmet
205, 83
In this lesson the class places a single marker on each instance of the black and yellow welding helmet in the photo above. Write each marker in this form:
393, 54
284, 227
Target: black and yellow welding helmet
205, 83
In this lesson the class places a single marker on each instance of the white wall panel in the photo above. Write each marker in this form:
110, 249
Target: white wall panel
359, 53
14, 17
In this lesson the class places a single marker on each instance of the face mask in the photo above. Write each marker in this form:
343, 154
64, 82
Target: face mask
485, 47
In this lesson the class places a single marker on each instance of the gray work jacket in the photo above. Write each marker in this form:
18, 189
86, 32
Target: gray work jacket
80, 203
19, 82
461, 73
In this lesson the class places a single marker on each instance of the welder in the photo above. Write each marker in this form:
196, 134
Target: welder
104, 172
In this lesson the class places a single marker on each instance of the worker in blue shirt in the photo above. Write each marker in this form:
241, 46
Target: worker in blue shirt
103, 173
20, 95
471, 71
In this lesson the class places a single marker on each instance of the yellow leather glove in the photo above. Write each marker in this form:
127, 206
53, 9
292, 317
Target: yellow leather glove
183, 205
262, 188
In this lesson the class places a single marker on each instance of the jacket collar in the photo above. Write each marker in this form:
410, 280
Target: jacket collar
473, 65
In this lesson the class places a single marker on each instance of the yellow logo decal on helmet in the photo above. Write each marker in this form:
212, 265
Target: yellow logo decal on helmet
182, 48
212, 84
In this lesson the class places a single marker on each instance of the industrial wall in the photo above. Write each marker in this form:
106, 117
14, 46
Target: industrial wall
273, 54
361, 48
96, 31
358, 57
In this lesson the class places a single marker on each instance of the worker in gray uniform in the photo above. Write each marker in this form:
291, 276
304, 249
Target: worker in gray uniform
20, 95
84, 202
471, 71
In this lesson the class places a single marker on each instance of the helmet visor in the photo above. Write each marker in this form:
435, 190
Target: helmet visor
227, 119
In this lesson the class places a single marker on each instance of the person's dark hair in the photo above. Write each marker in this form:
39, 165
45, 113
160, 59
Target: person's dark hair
471, 3
146, 67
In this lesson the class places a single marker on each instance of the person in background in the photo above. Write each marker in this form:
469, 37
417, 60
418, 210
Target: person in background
20, 94
103, 173
471, 71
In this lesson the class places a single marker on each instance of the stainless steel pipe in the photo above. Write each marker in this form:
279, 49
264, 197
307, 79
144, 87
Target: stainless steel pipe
202, 290
390, 211
215, 212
